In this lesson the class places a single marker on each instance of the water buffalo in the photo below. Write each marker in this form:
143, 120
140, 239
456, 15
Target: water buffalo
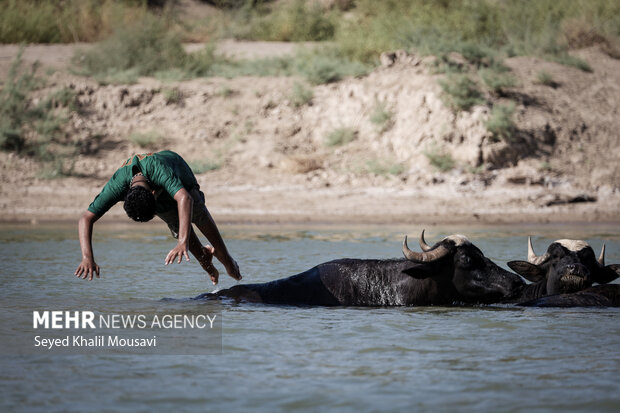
451, 271
568, 266
607, 295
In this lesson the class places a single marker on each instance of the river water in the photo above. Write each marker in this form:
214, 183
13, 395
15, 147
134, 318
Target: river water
289, 359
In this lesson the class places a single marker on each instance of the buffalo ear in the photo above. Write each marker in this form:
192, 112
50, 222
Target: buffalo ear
529, 271
418, 271
607, 274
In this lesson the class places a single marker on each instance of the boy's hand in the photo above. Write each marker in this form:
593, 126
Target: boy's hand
177, 252
87, 269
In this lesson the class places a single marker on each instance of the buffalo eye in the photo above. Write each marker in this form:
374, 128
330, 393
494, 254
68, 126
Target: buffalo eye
464, 261
586, 256
555, 251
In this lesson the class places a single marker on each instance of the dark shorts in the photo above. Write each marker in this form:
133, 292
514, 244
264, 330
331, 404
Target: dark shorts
200, 214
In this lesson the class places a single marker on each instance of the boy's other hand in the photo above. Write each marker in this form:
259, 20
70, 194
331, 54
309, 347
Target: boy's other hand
87, 269
177, 253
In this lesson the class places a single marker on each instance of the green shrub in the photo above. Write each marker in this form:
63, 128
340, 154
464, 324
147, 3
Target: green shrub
151, 52
480, 30
316, 67
225, 91
495, 81
175, 74
19, 117
381, 116
270, 66
149, 48
444, 65
116, 77
545, 78
326, 67
49, 125
460, 92
480, 55
500, 123
36, 130
340, 136
477, 29
143, 48
572, 61
302, 95
148, 140
36, 21
199, 63
371, 30
545, 166
383, 168
439, 159
15, 108
428, 27
19, 24
172, 95
295, 21
475, 170
59, 167
63, 97
205, 165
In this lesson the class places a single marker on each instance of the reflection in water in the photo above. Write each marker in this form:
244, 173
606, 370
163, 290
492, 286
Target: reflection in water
284, 358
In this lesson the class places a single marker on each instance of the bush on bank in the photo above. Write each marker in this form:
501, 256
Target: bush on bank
361, 30
146, 48
35, 21
36, 129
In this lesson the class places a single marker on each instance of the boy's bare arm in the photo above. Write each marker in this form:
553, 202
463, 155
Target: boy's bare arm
87, 268
184, 205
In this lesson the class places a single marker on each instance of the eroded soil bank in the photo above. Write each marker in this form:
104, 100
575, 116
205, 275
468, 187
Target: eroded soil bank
272, 161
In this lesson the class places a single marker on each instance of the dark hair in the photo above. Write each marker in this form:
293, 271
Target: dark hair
140, 204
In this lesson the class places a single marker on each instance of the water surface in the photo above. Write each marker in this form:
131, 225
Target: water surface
276, 358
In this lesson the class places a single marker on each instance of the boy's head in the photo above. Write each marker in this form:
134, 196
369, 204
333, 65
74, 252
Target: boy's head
140, 202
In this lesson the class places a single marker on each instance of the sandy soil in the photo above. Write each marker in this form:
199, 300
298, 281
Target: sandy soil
275, 165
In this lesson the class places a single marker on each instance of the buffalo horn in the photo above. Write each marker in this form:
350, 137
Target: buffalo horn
532, 258
426, 256
423, 245
601, 258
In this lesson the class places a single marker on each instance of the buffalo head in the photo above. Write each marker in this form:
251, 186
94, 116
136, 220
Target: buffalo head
568, 266
475, 277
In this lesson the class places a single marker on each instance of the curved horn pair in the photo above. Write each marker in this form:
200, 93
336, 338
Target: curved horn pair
429, 254
535, 259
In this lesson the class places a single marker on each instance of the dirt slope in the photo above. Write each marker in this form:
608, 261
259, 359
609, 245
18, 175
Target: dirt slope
275, 163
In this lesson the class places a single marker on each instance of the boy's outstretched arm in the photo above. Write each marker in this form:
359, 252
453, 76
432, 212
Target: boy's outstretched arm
87, 267
185, 206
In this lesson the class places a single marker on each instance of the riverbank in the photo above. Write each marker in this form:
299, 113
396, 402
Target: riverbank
262, 158
299, 203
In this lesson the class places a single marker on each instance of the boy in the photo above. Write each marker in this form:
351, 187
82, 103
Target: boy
159, 184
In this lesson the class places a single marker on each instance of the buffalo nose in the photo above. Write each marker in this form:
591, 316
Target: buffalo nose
576, 269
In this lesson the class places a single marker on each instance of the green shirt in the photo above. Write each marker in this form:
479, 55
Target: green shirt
165, 170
